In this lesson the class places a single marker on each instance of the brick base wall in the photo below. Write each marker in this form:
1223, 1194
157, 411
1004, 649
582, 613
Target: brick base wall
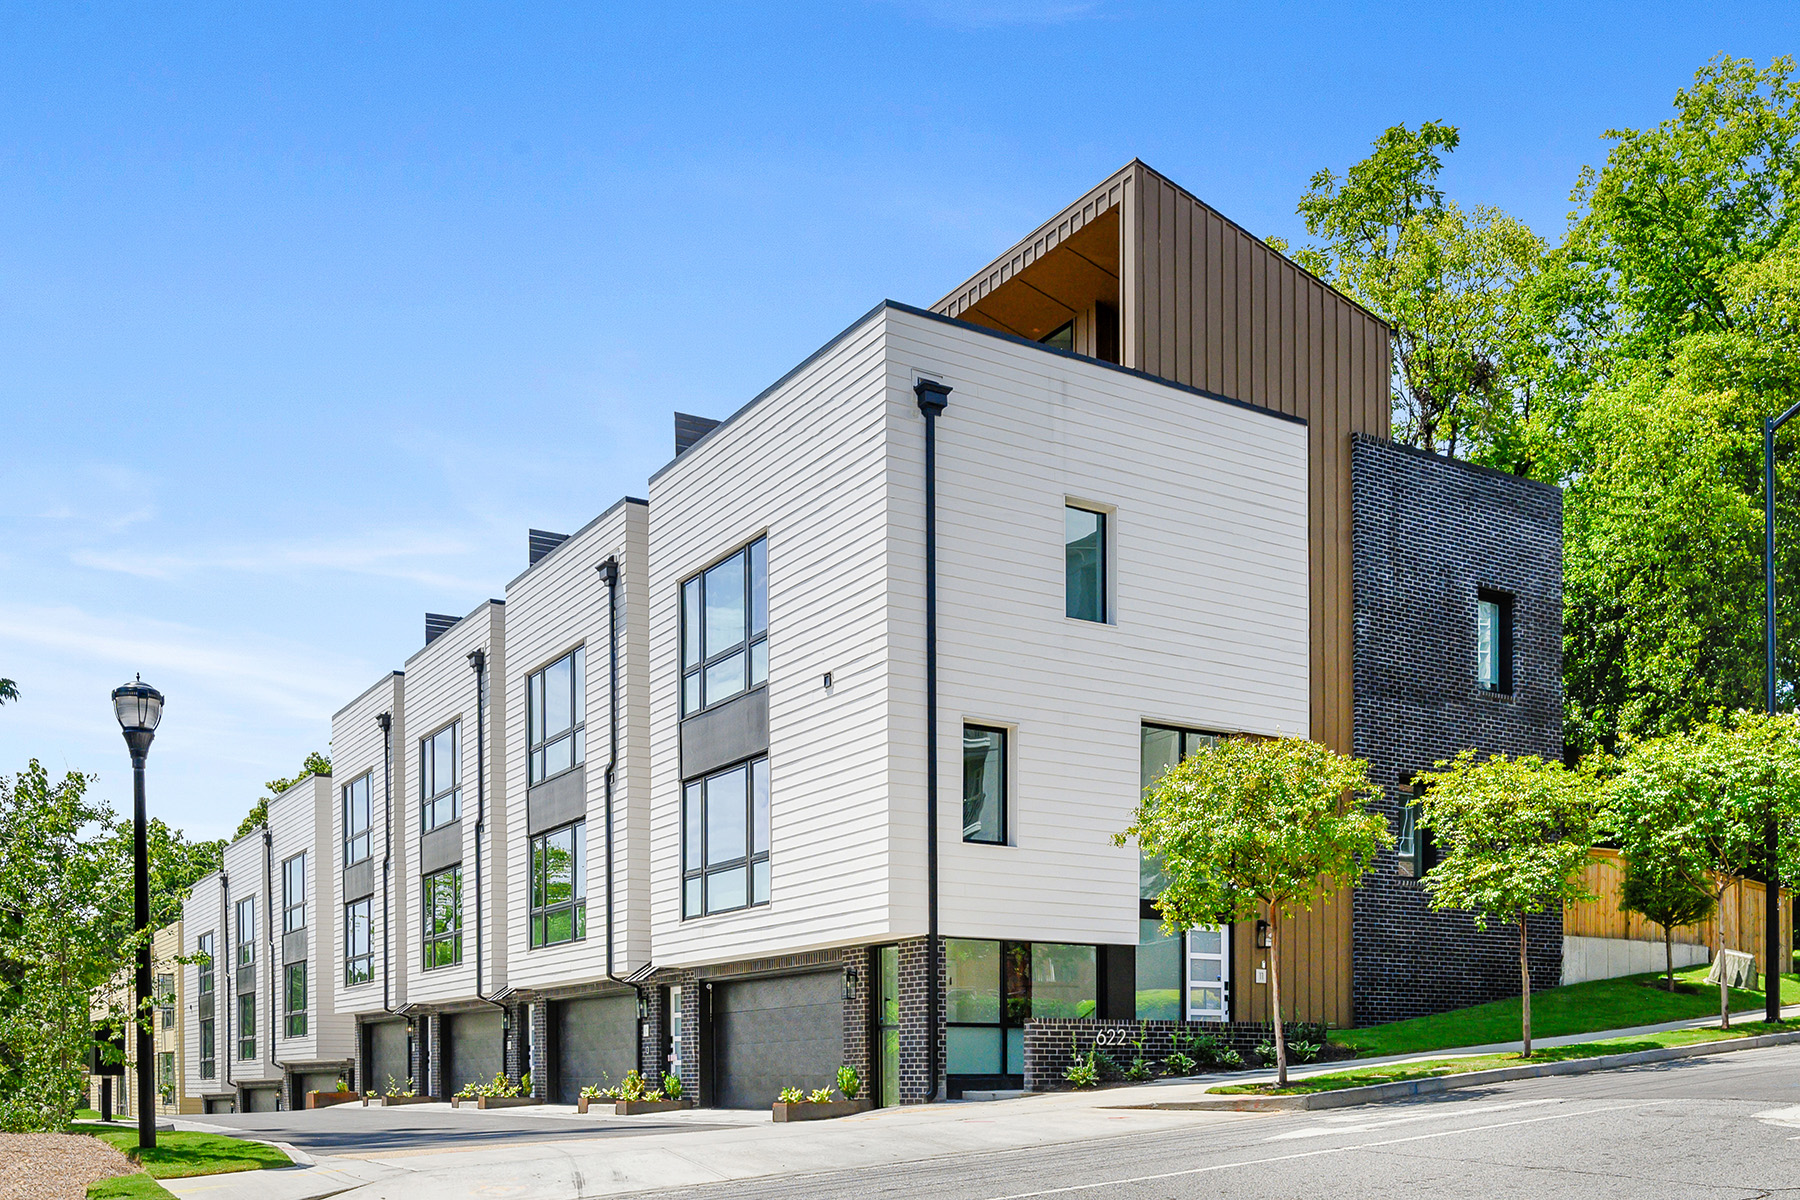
1052, 1045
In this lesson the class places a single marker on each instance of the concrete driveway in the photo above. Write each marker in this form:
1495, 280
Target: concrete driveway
351, 1129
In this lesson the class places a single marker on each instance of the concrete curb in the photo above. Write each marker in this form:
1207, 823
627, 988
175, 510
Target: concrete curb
1406, 1089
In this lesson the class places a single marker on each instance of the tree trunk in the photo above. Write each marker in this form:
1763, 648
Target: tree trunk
1719, 960
1275, 998
1669, 956
1524, 988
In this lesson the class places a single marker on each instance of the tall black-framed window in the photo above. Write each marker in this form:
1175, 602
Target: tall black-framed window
1414, 853
293, 893
556, 715
1161, 747
359, 946
993, 988
246, 931
440, 777
1084, 563
165, 1001
984, 784
725, 840
296, 999
246, 1007
1494, 641
357, 813
442, 925
203, 951
559, 885
725, 629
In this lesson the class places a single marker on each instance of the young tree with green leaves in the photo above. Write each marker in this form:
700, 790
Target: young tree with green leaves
1513, 835
1664, 893
313, 764
8, 691
1257, 827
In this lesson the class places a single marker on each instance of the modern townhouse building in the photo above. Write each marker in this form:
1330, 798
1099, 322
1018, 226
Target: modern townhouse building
578, 801
315, 1045
467, 1027
169, 1021
371, 769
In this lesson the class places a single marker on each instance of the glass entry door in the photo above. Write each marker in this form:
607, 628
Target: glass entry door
1208, 974
887, 1025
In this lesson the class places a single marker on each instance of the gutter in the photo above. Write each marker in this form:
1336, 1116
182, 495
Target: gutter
229, 974
269, 925
478, 663
933, 398
386, 721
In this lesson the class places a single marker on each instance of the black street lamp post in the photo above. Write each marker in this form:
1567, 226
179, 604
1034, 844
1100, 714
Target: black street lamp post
139, 709
1772, 948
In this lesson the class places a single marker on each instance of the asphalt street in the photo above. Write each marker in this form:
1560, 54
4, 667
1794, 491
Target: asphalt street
352, 1129
1724, 1127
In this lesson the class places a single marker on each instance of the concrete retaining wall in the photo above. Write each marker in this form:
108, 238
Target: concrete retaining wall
1607, 958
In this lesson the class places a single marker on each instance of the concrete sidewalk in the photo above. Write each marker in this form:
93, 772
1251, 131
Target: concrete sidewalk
692, 1148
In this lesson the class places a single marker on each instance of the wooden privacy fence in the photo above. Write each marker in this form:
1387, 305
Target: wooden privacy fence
1741, 909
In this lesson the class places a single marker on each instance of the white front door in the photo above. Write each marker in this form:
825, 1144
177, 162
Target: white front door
1208, 973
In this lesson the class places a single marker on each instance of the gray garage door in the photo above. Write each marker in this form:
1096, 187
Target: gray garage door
387, 1056
596, 1043
472, 1041
318, 1081
215, 1104
775, 1033
261, 1099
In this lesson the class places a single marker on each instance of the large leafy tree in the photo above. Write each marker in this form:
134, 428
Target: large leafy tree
1257, 827
65, 912
1457, 285
1664, 892
313, 764
1513, 835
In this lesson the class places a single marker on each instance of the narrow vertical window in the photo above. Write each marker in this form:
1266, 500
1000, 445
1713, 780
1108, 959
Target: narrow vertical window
440, 777
725, 629
293, 893
556, 716
165, 1001
246, 1026
559, 885
1493, 641
246, 931
359, 955
296, 999
443, 918
725, 856
356, 819
1084, 563
1406, 839
203, 951
984, 784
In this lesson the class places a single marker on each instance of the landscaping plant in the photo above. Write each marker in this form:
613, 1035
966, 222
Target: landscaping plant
819, 1096
1179, 1064
672, 1085
790, 1095
1257, 827
1514, 835
848, 1081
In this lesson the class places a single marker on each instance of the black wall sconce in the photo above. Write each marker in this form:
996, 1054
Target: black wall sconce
1262, 935
850, 981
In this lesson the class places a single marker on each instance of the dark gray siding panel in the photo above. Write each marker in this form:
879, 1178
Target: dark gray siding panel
293, 946
359, 880
557, 801
596, 1043
441, 848
729, 733
775, 1033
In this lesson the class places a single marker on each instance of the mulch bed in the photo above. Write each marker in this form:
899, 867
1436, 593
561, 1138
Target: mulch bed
56, 1166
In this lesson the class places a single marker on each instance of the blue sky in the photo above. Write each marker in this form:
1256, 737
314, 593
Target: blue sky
308, 311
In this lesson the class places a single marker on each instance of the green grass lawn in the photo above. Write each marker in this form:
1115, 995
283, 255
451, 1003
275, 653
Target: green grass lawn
129, 1187
1399, 1072
1576, 1008
175, 1156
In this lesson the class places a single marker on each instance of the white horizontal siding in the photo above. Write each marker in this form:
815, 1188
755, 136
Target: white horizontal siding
357, 749
559, 604
200, 915
245, 867
300, 821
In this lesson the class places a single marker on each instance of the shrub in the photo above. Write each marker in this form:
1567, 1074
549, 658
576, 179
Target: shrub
1083, 1073
1139, 1071
632, 1087
1179, 1064
819, 1096
1304, 1052
1264, 1053
1229, 1060
848, 1081
791, 1095
394, 1089
593, 1092
672, 1086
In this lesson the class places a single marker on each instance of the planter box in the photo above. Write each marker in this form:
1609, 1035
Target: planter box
327, 1099
806, 1110
391, 1101
632, 1108
506, 1101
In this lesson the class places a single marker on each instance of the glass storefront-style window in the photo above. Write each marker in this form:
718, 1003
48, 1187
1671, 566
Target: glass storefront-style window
556, 716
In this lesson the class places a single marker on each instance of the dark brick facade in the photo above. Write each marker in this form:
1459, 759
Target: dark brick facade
1428, 533
1052, 1045
916, 1083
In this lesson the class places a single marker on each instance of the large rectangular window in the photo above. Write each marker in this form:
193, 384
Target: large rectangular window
725, 629
293, 893
1162, 746
296, 999
559, 885
442, 925
984, 784
993, 988
357, 811
1163, 959
1493, 641
725, 852
440, 777
556, 715
359, 947
246, 1025
1084, 563
246, 931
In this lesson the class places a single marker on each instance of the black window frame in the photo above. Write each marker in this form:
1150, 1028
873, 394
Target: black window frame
209, 1049
430, 937
1503, 602
1189, 739
246, 945
432, 798
538, 741
246, 1046
695, 867
1005, 736
1102, 523
359, 841
293, 912
541, 910
294, 1018
365, 958
697, 662
165, 1001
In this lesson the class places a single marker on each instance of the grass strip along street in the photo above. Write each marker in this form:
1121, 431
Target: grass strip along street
1621, 1003
176, 1156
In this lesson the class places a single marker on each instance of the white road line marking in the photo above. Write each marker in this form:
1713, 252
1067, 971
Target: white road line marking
1258, 1162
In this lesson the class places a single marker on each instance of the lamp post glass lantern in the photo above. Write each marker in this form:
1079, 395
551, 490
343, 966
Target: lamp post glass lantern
139, 709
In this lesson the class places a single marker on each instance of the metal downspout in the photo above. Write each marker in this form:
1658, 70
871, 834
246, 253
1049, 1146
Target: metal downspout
933, 398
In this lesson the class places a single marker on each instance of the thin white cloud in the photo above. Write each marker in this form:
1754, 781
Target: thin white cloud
410, 556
